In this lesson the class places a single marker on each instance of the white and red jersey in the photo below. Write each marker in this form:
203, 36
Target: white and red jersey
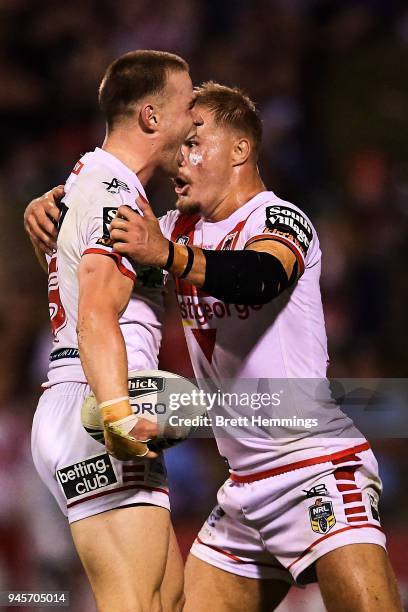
283, 340
97, 186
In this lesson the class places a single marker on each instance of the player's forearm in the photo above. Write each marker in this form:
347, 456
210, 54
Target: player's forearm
187, 263
239, 277
103, 352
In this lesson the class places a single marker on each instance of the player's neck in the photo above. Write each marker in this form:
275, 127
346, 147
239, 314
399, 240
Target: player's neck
245, 187
138, 155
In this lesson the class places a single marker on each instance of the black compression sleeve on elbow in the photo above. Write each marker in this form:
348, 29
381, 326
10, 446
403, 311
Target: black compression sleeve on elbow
245, 277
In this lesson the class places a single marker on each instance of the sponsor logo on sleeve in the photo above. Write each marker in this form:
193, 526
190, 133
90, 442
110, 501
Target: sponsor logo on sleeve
322, 517
109, 213
115, 185
290, 224
84, 477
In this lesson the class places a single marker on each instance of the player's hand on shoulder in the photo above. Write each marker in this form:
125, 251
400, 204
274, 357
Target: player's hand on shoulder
139, 237
41, 217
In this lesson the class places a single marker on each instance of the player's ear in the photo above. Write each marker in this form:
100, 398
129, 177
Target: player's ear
241, 151
148, 118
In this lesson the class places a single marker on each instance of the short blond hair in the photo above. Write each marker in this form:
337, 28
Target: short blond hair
231, 107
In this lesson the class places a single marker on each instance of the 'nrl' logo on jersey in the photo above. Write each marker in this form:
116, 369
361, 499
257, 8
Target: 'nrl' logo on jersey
115, 185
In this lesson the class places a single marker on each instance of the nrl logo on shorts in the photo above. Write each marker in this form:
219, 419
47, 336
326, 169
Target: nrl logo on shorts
143, 385
114, 186
322, 517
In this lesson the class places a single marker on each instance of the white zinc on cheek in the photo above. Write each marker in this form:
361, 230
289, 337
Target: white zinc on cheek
195, 159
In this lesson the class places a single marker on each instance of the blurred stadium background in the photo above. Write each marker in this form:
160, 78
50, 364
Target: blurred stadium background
331, 80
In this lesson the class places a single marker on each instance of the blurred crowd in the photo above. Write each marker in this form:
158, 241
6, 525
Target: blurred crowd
330, 78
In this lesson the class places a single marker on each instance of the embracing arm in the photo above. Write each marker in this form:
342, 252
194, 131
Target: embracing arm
254, 275
40, 220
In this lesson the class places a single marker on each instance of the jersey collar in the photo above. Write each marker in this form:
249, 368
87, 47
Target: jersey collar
114, 162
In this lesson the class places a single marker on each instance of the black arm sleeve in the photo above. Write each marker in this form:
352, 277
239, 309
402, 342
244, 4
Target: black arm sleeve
245, 277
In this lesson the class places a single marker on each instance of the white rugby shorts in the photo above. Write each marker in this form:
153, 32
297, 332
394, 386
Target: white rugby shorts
276, 527
78, 471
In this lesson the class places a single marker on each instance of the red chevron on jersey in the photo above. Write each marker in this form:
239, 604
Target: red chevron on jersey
184, 226
229, 242
206, 339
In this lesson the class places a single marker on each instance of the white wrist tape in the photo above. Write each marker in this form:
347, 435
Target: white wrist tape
126, 424
122, 427
116, 400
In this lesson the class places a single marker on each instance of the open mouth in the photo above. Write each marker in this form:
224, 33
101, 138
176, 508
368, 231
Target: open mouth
180, 186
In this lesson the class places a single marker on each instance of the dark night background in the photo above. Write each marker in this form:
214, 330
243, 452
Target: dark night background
331, 81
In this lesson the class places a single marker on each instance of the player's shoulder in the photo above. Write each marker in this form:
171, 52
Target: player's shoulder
170, 217
275, 218
168, 221
98, 178
273, 205
275, 211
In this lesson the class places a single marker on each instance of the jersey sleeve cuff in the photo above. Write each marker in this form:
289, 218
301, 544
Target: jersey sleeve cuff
118, 260
295, 250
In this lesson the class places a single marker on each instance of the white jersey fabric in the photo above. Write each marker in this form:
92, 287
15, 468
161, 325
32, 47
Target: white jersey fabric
97, 186
243, 335
279, 346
